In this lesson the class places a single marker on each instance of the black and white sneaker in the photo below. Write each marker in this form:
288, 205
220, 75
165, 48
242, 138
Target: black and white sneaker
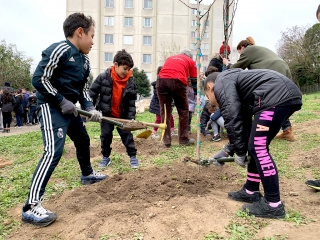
216, 138
243, 196
93, 178
314, 184
38, 215
264, 210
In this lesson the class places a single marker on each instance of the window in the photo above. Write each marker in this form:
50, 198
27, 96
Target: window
204, 69
109, 21
109, 3
146, 58
108, 57
147, 4
128, 40
204, 57
193, 34
128, 3
108, 38
206, 23
193, 23
147, 40
128, 21
192, 46
206, 35
205, 46
147, 22
194, 11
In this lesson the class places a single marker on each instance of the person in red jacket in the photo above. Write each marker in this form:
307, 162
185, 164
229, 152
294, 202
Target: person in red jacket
172, 85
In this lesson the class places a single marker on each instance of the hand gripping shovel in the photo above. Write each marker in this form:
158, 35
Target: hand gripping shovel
125, 124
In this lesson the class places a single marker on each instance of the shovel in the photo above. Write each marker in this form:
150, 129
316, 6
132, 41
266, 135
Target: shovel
123, 124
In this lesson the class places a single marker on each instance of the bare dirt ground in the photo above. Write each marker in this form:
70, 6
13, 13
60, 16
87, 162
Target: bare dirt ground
172, 202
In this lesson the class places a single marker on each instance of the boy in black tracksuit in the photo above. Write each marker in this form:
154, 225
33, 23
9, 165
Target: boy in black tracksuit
60, 80
116, 91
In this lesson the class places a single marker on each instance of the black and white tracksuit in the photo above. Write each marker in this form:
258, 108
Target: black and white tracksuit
62, 72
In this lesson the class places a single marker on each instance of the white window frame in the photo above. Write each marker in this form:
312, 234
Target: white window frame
109, 21
193, 23
194, 11
110, 39
147, 3
193, 34
206, 23
205, 56
109, 3
127, 38
110, 56
148, 41
125, 23
149, 22
205, 46
127, 5
146, 57
206, 35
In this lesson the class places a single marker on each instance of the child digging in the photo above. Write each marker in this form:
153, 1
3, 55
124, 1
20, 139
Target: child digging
116, 90
60, 80
254, 104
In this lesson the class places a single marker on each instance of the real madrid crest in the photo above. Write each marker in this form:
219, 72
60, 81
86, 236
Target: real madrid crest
60, 133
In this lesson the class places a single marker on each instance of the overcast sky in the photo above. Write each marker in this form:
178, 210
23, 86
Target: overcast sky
35, 24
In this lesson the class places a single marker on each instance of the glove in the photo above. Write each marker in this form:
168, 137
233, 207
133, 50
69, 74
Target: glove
208, 124
96, 115
68, 107
241, 160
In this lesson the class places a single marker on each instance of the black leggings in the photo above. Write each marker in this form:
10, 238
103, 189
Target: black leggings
262, 167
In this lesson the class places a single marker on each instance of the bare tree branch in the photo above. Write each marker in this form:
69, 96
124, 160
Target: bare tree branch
208, 9
188, 5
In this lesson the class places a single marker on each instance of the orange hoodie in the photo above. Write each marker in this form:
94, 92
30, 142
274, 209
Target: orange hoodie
118, 85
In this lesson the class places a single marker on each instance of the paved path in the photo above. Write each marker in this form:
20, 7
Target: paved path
24, 129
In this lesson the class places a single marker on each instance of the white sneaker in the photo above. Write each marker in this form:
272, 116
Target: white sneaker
155, 136
38, 215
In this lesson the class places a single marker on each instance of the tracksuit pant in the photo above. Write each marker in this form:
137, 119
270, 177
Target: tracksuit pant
55, 126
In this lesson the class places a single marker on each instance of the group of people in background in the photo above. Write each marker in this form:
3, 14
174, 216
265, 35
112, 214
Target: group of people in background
17, 103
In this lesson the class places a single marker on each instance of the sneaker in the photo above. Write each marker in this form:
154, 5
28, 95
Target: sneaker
134, 163
174, 134
93, 178
191, 141
264, 210
105, 162
155, 136
314, 184
243, 196
216, 138
38, 215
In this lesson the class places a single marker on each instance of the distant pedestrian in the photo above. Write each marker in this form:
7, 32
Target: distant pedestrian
6, 103
18, 109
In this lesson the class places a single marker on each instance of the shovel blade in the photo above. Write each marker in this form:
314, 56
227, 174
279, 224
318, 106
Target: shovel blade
144, 134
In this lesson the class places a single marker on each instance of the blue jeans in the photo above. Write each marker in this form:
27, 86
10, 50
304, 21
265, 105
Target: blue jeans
32, 113
286, 125
18, 119
216, 115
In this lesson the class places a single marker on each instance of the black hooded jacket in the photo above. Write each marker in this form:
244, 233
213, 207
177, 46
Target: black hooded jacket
243, 93
101, 94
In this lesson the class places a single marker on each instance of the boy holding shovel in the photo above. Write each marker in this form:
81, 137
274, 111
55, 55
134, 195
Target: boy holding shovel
116, 90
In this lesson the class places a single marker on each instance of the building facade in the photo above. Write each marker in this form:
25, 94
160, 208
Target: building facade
150, 30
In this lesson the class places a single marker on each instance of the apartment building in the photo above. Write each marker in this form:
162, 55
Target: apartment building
150, 30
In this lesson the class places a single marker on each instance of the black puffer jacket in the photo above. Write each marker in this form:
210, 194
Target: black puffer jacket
204, 118
154, 104
241, 94
101, 89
